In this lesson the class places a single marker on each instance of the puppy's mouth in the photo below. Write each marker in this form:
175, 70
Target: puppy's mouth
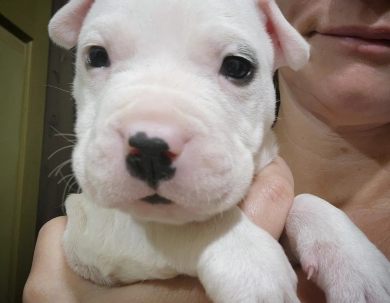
156, 199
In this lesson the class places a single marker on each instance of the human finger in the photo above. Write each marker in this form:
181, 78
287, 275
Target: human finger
270, 197
50, 278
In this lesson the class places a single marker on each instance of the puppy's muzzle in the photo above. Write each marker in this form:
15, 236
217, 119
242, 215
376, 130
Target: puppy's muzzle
150, 159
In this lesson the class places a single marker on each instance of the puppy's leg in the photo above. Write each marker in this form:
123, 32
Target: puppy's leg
336, 254
246, 265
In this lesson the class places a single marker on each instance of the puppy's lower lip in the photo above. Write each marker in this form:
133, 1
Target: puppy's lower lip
156, 199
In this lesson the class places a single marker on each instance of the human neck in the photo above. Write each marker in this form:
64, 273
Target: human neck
347, 166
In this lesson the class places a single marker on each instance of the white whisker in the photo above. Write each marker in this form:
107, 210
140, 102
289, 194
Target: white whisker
71, 186
58, 150
67, 139
64, 135
71, 176
59, 167
67, 185
60, 89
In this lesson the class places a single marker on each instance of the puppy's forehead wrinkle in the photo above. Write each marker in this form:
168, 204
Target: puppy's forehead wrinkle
172, 23
188, 8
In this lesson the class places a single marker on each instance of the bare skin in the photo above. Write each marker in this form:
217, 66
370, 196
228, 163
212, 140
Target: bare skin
334, 120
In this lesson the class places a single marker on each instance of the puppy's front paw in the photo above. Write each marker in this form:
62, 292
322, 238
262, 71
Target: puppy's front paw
247, 267
336, 254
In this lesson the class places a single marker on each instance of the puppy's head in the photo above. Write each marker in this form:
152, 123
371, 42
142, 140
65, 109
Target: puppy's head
175, 100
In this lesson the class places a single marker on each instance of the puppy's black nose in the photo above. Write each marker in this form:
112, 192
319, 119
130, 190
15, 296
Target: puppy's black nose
150, 159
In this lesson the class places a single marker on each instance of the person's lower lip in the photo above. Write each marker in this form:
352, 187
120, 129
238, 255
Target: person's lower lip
368, 47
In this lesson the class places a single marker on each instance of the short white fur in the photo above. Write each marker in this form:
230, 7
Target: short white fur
164, 78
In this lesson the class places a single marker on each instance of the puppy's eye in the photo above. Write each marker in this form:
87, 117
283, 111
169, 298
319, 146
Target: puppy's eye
237, 68
98, 57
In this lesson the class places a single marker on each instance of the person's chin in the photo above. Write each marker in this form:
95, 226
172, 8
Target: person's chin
342, 91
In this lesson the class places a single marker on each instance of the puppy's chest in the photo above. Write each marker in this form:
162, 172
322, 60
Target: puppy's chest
111, 247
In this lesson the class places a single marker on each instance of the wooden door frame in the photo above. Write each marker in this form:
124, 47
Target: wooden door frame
30, 142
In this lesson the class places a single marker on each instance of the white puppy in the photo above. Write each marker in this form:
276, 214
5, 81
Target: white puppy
175, 104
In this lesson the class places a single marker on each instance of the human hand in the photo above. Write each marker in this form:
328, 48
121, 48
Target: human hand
51, 280
267, 205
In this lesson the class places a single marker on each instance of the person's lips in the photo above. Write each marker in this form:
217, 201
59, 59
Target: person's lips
365, 33
368, 41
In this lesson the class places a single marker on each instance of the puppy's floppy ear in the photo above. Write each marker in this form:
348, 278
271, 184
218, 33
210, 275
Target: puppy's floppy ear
65, 26
290, 47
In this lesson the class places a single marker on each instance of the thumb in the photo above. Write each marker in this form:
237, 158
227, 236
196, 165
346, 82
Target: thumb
270, 197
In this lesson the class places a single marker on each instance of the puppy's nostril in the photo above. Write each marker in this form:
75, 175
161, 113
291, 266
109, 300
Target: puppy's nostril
169, 155
135, 151
149, 159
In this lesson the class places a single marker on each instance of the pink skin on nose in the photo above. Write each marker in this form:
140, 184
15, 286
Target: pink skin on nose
173, 135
